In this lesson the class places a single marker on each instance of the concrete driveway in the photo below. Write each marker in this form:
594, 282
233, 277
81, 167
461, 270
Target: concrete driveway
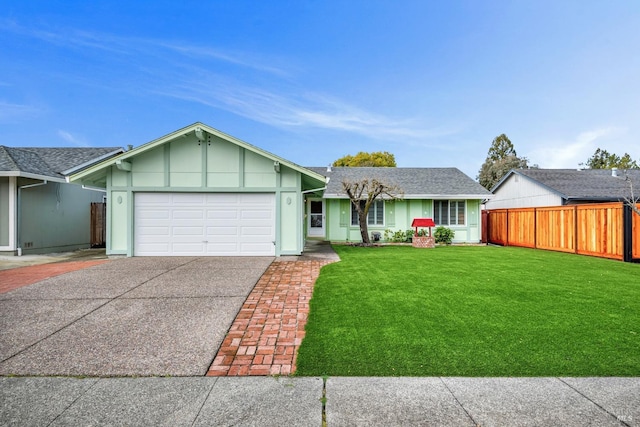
127, 317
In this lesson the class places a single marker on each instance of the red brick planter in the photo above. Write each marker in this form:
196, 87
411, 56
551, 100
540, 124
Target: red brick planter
423, 242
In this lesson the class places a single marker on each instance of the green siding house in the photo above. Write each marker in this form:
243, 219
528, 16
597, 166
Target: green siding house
200, 192
447, 195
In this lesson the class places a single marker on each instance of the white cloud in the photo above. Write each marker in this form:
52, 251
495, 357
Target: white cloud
73, 139
139, 47
568, 154
267, 93
12, 111
290, 107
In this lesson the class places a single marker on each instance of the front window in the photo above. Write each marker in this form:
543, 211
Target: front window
375, 216
449, 212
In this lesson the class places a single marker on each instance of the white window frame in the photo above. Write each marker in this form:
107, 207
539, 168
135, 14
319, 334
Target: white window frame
355, 221
447, 216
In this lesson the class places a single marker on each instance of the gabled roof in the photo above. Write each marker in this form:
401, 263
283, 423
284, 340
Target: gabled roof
49, 163
584, 184
416, 183
98, 168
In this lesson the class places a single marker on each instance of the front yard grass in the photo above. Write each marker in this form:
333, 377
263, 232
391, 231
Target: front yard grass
472, 311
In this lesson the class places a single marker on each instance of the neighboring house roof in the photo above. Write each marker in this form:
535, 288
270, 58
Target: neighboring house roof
195, 128
584, 184
416, 183
49, 163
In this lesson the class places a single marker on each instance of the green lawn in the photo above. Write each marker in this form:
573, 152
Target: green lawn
472, 311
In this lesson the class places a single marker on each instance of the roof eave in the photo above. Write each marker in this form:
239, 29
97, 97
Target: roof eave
92, 162
21, 174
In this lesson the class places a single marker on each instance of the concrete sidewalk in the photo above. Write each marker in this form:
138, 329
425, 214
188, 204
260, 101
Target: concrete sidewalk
295, 401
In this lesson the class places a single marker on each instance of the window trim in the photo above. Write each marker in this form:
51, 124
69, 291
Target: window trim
372, 208
447, 215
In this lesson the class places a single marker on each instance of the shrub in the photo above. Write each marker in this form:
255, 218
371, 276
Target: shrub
422, 233
443, 235
397, 236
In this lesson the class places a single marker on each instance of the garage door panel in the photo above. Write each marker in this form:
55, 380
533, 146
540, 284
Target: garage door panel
222, 231
222, 214
189, 214
188, 231
255, 214
155, 248
187, 199
260, 232
204, 224
264, 198
222, 199
156, 214
153, 231
151, 199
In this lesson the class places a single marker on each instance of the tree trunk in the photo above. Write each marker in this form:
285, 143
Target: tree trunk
364, 230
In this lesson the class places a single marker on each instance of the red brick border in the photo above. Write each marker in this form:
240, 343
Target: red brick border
265, 336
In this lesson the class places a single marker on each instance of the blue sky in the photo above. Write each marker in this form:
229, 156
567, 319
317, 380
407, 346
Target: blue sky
431, 82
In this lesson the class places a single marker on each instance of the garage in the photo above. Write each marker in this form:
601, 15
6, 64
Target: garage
204, 224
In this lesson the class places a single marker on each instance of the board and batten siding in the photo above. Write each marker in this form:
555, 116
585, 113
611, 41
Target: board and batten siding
215, 165
520, 192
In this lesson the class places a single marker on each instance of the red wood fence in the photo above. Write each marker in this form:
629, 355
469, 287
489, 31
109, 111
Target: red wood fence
98, 225
608, 230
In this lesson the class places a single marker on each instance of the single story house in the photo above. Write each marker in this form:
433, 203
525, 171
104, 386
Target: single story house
447, 195
199, 191
526, 188
39, 211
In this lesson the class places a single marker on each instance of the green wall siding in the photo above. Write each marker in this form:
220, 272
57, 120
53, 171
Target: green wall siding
398, 216
289, 223
224, 164
117, 220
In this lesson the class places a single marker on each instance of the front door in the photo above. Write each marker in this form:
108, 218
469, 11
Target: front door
316, 218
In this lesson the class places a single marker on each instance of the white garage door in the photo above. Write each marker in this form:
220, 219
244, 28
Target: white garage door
204, 224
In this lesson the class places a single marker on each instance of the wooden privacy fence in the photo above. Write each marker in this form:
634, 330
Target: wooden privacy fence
608, 230
98, 225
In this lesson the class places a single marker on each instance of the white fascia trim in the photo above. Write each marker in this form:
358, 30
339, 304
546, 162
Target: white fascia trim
92, 162
32, 176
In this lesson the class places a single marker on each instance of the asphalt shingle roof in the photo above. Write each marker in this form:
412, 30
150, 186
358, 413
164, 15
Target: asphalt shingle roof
423, 182
48, 161
586, 184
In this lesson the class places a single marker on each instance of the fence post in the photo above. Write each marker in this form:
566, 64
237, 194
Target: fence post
506, 229
575, 229
535, 228
627, 233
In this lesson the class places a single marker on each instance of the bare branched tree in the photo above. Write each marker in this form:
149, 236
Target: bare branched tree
632, 201
363, 193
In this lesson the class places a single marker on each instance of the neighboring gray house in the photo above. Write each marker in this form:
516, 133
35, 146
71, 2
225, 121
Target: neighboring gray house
447, 195
524, 188
39, 211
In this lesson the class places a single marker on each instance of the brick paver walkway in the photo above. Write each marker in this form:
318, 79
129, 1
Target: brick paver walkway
23, 276
265, 336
